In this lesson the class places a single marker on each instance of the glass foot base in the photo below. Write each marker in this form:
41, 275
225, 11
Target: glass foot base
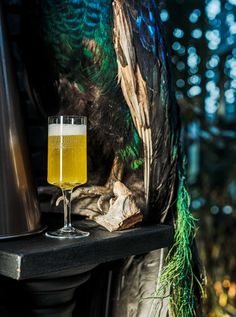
67, 233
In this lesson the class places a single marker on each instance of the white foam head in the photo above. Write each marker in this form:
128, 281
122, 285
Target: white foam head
55, 129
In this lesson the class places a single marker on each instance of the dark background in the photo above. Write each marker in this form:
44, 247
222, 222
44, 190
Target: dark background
201, 36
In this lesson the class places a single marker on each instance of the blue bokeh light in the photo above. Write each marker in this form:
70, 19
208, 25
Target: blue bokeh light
178, 33
176, 46
164, 15
194, 80
213, 61
180, 66
194, 16
232, 2
210, 74
180, 83
194, 91
196, 33
213, 8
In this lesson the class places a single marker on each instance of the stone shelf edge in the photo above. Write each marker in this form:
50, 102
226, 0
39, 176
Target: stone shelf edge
37, 256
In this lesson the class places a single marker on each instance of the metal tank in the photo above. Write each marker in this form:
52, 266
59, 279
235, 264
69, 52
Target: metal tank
19, 209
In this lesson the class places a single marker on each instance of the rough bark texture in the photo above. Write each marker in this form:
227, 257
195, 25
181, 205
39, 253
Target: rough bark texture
123, 212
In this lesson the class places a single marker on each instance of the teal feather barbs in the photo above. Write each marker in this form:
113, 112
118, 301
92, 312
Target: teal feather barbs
80, 33
178, 278
131, 152
80, 36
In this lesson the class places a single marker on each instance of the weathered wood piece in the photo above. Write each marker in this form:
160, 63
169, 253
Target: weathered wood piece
123, 212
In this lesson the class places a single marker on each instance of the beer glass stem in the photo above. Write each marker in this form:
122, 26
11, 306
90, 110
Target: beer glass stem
67, 208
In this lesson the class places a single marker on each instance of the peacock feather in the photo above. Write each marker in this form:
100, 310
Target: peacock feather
80, 37
111, 64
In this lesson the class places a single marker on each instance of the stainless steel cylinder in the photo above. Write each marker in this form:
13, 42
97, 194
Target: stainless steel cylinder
19, 210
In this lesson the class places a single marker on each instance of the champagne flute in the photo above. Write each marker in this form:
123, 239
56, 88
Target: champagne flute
67, 164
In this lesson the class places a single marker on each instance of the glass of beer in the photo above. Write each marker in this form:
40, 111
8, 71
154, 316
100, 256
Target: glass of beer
67, 164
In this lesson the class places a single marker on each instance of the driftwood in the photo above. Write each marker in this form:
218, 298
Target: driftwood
123, 212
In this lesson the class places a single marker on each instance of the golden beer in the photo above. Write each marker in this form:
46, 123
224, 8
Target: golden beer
67, 155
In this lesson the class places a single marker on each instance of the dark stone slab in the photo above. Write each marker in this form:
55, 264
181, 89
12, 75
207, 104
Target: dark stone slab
38, 256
